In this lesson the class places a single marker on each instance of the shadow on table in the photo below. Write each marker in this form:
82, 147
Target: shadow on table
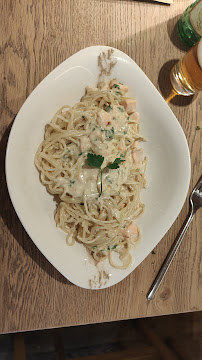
166, 87
155, 43
14, 225
173, 34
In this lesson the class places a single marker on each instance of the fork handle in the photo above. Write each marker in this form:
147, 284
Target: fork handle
169, 258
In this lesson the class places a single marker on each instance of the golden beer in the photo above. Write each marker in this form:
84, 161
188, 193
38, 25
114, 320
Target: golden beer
186, 75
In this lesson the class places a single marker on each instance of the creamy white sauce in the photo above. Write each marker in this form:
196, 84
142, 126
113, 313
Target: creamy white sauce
108, 141
119, 118
83, 183
114, 178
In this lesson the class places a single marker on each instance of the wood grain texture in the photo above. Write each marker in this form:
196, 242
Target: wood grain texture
36, 36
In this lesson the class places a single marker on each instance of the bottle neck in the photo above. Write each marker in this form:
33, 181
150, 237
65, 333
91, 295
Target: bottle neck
195, 17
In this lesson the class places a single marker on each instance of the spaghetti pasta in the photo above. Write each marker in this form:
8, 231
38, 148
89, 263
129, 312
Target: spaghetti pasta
90, 158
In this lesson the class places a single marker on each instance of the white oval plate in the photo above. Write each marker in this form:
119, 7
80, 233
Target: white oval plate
168, 171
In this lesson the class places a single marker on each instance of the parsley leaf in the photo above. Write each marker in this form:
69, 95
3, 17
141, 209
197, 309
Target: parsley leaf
153, 252
95, 160
198, 127
115, 164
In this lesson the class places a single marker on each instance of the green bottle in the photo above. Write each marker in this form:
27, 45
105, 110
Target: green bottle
190, 24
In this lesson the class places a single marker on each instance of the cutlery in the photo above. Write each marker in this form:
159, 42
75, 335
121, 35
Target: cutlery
195, 204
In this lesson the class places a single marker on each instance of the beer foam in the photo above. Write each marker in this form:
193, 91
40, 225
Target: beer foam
199, 53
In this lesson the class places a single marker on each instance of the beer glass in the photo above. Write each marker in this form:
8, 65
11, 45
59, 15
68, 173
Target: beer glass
186, 75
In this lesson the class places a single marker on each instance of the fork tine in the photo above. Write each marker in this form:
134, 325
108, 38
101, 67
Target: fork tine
200, 188
199, 184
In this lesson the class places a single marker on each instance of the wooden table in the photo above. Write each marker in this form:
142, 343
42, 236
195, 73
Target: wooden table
36, 36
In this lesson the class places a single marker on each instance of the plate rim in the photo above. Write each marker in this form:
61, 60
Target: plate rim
17, 119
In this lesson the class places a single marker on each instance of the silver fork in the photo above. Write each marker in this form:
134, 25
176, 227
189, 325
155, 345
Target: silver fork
195, 204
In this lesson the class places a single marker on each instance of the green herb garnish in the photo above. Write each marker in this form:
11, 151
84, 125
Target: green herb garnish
96, 161
80, 153
120, 109
153, 252
108, 108
83, 117
72, 182
109, 133
198, 128
116, 86
65, 155
115, 164
109, 179
114, 247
